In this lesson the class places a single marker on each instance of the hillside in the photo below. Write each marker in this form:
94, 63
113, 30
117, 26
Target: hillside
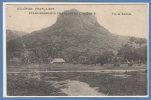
70, 37
12, 34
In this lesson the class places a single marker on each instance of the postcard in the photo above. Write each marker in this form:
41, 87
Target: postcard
76, 50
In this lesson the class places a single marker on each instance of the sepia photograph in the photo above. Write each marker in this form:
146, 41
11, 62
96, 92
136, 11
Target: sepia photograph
75, 50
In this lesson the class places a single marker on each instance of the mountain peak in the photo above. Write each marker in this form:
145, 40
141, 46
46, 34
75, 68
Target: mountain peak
73, 20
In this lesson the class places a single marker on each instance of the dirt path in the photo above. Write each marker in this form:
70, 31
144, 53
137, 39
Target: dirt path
77, 88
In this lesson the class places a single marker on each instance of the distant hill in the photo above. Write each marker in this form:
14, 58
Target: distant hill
12, 34
71, 36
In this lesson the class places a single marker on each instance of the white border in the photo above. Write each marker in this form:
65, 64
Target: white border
59, 3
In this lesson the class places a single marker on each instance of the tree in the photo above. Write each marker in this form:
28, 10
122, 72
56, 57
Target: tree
141, 41
83, 59
130, 53
105, 57
108, 55
27, 56
40, 54
127, 52
142, 54
132, 39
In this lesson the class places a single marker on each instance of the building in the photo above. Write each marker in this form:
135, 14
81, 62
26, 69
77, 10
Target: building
58, 61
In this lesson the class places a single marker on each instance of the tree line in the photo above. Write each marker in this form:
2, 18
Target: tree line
135, 50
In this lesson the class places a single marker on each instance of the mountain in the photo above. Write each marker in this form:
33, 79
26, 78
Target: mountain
12, 34
73, 34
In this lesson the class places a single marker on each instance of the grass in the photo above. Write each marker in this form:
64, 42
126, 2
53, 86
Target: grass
21, 85
68, 67
36, 84
136, 84
108, 84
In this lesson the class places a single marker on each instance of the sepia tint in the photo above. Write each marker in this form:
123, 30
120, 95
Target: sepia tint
76, 49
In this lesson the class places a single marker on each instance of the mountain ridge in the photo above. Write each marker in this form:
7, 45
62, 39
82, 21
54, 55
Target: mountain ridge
79, 34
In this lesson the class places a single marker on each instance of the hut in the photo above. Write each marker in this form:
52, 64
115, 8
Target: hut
58, 61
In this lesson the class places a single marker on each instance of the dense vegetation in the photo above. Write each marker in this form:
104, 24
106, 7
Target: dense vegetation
131, 51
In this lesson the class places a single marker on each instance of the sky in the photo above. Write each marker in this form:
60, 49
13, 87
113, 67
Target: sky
127, 19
